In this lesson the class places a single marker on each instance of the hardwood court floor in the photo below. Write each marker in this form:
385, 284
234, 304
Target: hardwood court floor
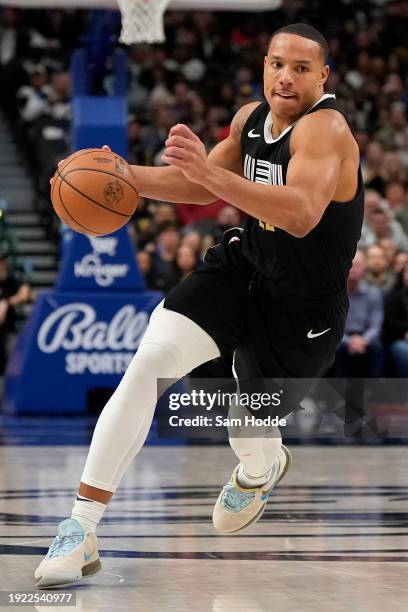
333, 538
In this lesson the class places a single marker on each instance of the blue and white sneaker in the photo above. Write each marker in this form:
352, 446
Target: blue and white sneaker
236, 507
72, 555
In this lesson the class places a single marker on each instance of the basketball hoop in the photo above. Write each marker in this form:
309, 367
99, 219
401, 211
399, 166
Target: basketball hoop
142, 21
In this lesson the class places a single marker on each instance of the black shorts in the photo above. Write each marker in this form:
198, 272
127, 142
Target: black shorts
273, 335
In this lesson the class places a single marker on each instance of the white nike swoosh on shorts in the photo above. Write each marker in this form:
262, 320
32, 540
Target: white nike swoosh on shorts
310, 333
251, 134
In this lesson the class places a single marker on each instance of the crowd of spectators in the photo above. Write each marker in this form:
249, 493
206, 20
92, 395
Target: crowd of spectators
35, 50
14, 291
210, 65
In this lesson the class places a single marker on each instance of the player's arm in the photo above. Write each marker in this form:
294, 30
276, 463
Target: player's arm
319, 142
169, 183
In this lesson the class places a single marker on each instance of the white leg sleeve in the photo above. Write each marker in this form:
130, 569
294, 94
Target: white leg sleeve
172, 346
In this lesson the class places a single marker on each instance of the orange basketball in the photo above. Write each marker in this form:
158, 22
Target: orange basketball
93, 192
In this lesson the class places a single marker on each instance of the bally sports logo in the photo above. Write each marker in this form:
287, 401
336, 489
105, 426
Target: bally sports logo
91, 265
98, 347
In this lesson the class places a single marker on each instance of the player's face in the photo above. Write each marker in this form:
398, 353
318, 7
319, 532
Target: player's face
294, 75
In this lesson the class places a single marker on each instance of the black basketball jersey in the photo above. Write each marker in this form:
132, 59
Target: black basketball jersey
316, 265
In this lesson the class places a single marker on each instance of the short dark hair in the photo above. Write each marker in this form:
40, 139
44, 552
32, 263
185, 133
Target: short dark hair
166, 226
306, 31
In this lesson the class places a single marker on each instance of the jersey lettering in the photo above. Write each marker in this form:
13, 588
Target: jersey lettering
266, 226
263, 171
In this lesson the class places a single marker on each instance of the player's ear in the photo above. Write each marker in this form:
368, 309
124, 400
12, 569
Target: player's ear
324, 75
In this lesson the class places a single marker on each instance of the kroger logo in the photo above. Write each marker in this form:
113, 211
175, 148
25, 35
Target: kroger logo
74, 327
104, 245
91, 265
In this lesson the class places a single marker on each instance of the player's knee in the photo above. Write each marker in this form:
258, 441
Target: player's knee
152, 370
157, 360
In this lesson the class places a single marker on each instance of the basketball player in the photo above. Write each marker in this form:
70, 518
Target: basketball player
275, 292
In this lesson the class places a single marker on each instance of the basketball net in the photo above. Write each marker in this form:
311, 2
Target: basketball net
142, 21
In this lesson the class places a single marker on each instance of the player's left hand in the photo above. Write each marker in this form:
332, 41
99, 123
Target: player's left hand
186, 151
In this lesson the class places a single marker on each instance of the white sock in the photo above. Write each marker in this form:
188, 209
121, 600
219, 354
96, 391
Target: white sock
257, 457
88, 512
257, 448
247, 481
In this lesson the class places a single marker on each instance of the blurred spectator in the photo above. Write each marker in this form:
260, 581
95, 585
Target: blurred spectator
389, 249
393, 168
373, 167
13, 37
372, 201
397, 191
378, 274
394, 133
184, 60
396, 196
140, 226
395, 327
136, 144
360, 353
160, 214
138, 93
150, 220
156, 134
14, 43
379, 223
197, 118
145, 263
12, 294
164, 269
227, 217
164, 212
186, 261
362, 139
33, 99
60, 95
193, 240
181, 101
400, 261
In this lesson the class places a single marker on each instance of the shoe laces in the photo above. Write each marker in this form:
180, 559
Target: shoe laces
64, 544
235, 500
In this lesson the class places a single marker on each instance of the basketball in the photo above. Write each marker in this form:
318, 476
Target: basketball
93, 192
